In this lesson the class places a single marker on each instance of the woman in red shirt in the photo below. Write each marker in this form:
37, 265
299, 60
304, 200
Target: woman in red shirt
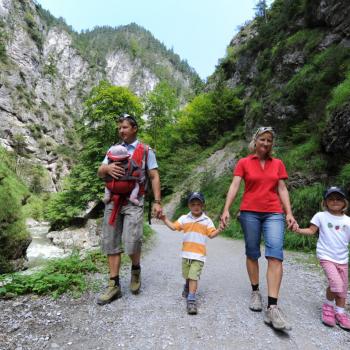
264, 209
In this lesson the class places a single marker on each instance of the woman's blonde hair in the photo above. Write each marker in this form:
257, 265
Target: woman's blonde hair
344, 210
260, 131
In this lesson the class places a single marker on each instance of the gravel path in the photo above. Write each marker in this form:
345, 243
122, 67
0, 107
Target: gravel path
157, 319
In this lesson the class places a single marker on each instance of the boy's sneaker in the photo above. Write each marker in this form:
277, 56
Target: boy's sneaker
275, 317
255, 301
328, 315
135, 282
191, 307
343, 321
111, 293
185, 291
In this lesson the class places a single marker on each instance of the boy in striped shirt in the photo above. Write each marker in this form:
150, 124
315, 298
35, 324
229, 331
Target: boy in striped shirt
196, 227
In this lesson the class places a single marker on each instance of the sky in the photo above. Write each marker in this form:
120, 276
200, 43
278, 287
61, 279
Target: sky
197, 30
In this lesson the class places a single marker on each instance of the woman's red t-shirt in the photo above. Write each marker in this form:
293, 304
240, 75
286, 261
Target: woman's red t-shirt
260, 191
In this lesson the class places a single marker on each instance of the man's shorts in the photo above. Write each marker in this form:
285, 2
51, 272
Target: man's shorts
127, 230
337, 275
191, 269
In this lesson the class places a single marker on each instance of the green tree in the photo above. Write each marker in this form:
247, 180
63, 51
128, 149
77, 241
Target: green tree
161, 105
97, 132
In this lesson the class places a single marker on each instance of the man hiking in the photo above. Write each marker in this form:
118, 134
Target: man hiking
123, 220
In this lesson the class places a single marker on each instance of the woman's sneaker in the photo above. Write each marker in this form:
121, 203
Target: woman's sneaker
255, 301
276, 318
343, 321
328, 315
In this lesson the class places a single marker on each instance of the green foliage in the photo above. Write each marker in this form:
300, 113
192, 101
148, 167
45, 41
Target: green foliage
279, 20
50, 68
210, 115
160, 106
343, 178
304, 157
305, 40
57, 277
33, 30
12, 228
3, 39
311, 86
98, 132
35, 207
340, 94
305, 203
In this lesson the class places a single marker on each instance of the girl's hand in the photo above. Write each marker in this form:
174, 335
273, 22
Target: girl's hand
295, 228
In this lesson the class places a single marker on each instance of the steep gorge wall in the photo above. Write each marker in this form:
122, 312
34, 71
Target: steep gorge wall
289, 72
43, 80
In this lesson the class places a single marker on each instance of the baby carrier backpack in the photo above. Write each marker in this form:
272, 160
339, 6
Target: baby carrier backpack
135, 170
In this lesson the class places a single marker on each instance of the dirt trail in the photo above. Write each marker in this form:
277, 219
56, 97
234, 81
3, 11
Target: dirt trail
157, 319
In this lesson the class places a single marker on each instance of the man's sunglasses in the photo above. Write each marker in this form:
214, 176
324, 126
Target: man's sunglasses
127, 117
263, 129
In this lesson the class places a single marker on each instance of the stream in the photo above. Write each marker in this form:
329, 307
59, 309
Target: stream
41, 248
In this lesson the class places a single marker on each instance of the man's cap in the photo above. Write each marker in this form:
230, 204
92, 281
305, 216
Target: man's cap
195, 195
334, 189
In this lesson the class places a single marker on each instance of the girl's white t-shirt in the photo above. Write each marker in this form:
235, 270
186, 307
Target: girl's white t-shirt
334, 236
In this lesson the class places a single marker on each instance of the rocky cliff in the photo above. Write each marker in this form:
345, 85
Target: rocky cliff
294, 67
47, 69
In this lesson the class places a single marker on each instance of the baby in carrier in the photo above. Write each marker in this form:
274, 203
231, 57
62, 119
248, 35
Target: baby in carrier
127, 184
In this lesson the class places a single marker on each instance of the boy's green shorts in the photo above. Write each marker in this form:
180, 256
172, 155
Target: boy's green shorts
191, 269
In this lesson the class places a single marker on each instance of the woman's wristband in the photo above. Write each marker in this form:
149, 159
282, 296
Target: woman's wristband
157, 201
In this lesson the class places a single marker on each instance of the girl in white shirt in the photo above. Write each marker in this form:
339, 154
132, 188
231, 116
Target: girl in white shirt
332, 250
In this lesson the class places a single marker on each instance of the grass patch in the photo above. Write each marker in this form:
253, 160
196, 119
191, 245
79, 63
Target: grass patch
340, 95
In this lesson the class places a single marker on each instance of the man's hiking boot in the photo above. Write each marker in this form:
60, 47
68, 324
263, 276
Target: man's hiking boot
191, 307
275, 317
185, 291
135, 282
111, 293
255, 301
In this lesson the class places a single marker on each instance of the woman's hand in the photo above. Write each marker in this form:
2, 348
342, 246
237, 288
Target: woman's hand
224, 219
291, 222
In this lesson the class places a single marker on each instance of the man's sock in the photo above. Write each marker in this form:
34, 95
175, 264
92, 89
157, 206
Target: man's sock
271, 301
191, 297
255, 287
115, 279
135, 267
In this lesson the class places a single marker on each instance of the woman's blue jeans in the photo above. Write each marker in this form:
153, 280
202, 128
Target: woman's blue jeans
270, 225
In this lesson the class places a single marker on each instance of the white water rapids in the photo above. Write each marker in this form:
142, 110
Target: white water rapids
41, 248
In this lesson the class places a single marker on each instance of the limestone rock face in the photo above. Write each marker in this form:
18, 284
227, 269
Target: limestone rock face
44, 79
